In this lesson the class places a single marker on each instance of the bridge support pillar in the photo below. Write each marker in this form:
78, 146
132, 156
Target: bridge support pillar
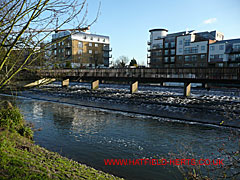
95, 85
134, 87
163, 84
65, 83
187, 89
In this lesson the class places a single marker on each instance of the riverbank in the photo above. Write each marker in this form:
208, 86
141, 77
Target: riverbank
20, 158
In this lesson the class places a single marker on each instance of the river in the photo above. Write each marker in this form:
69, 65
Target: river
90, 135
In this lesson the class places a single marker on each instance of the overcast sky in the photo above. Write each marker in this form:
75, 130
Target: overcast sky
128, 22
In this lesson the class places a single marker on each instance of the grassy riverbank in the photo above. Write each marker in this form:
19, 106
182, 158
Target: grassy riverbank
20, 158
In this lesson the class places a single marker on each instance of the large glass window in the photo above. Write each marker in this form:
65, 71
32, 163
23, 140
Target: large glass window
187, 58
166, 59
172, 44
187, 43
221, 47
203, 48
166, 45
194, 57
212, 48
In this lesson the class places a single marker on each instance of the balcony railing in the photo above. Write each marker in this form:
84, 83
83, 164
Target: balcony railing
236, 50
107, 48
107, 55
149, 43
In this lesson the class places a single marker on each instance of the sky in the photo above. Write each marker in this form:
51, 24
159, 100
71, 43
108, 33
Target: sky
127, 22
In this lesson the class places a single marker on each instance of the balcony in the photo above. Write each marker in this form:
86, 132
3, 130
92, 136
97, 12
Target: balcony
107, 55
106, 48
236, 50
149, 43
68, 46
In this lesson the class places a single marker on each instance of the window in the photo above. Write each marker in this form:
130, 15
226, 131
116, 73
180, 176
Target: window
96, 45
180, 42
172, 51
194, 57
220, 64
68, 53
220, 56
166, 52
96, 52
187, 43
187, 58
236, 46
180, 50
172, 44
172, 59
221, 47
80, 51
166, 45
91, 38
166, 59
202, 48
90, 44
104, 40
187, 50
203, 56
212, 48
90, 51
80, 44
211, 56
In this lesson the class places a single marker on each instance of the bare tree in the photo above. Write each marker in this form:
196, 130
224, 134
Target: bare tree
27, 24
121, 62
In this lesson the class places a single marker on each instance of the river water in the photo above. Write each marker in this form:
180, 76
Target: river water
90, 135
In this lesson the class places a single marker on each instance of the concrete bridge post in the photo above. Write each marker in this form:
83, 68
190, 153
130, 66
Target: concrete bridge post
134, 87
187, 89
95, 85
65, 83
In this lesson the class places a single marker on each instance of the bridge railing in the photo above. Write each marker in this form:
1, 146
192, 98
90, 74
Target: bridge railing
177, 73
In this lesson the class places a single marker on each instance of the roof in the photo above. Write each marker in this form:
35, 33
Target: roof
230, 41
158, 30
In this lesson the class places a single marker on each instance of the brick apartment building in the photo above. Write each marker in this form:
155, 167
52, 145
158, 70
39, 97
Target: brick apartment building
82, 50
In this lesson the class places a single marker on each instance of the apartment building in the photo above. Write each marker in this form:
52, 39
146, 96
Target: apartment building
182, 49
225, 53
81, 50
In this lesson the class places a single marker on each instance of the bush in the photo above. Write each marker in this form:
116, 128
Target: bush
12, 120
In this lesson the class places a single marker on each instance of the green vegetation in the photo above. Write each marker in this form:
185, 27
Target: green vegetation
20, 158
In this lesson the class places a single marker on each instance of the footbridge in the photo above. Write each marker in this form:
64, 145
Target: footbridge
134, 76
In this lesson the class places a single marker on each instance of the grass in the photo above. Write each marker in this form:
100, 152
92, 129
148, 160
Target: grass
20, 158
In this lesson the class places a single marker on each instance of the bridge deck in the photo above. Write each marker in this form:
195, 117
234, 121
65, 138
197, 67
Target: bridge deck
197, 75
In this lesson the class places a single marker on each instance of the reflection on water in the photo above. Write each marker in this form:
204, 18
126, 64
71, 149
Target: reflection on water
90, 136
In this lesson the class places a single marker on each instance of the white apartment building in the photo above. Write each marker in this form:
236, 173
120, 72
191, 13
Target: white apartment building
225, 53
192, 49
